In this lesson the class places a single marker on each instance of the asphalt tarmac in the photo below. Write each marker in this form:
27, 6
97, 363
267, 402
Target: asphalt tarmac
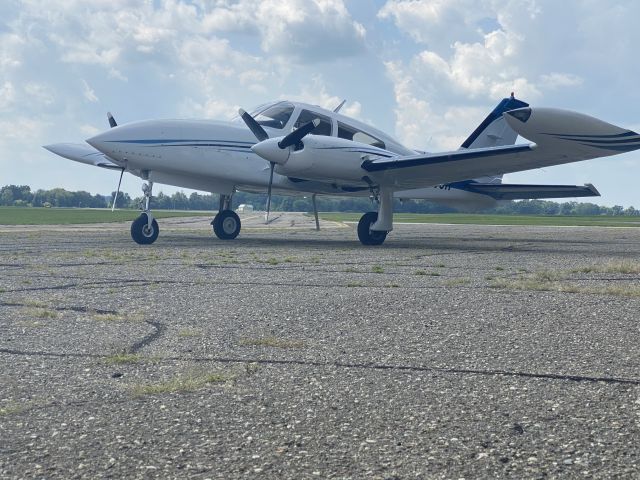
451, 351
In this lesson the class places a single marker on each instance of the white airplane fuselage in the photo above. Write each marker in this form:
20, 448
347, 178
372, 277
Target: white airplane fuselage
216, 156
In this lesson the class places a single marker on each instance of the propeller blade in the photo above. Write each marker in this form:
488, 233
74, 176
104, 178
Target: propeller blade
298, 134
115, 197
254, 126
266, 215
112, 121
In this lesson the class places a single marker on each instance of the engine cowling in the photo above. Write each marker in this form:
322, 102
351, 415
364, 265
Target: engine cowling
327, 158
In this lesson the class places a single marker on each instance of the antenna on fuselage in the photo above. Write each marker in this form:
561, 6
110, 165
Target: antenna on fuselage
337, 109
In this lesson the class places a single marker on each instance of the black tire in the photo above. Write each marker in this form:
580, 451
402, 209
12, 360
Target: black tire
365, 234
141, 233
226, 225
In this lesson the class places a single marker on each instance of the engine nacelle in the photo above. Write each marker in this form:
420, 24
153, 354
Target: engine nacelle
328, 158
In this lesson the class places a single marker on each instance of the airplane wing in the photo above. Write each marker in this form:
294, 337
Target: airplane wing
84, 154
511, 191
560, 136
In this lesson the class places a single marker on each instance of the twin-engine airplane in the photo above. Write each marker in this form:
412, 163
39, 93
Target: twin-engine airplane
299, 149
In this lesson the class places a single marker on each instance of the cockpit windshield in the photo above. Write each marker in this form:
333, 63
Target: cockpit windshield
275, 116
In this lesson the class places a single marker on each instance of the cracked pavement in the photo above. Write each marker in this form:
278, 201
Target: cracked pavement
290, 353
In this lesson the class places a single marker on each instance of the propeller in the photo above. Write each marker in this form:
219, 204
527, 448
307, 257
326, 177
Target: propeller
115, 197
274, 150
112, 123
298, 134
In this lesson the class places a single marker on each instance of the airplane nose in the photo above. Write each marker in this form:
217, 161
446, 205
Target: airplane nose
100, 142
107, 142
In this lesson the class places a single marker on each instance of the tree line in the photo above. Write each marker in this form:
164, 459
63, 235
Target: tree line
23, 196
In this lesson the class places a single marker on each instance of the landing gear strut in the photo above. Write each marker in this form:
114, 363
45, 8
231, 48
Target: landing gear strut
144, 229
226, 223
374, 226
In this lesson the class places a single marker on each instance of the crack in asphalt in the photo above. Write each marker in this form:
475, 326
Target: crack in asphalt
60, 309
370, 366
150, 338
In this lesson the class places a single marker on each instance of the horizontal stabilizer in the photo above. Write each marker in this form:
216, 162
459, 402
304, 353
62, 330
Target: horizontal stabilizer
505, 191
84, 154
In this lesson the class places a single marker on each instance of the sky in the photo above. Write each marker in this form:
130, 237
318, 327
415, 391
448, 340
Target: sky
427, 72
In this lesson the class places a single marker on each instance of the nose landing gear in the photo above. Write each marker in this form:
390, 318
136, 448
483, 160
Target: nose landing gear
144, 229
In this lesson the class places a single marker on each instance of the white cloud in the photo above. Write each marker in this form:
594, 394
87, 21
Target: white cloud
302, 30
88, 92
315, 93
7, 95
39, 93
89, 130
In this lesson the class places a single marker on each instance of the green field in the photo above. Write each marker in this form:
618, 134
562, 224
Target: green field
66, 216
480, 219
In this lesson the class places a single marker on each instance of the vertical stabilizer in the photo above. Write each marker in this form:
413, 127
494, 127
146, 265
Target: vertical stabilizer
494, 131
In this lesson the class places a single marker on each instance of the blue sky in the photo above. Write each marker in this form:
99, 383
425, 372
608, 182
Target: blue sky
425, 71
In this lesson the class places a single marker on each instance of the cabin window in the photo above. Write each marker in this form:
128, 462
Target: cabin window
351, 133
307, 116
275, 116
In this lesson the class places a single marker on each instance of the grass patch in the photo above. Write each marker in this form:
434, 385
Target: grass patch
30, 324
419, 272
183, 383
11, 409
272, 342
34, 303
377, 269
107, 317
550, 281
122, 358
187, 333
457, 281
38, 312
355, 284
622, 266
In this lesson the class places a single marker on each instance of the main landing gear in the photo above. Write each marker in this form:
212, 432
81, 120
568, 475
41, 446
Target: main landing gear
226, 223
144, 229
374, 226
365, 234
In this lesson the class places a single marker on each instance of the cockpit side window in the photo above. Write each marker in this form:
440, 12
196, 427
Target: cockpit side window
275, 116
307, 116
351, 133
